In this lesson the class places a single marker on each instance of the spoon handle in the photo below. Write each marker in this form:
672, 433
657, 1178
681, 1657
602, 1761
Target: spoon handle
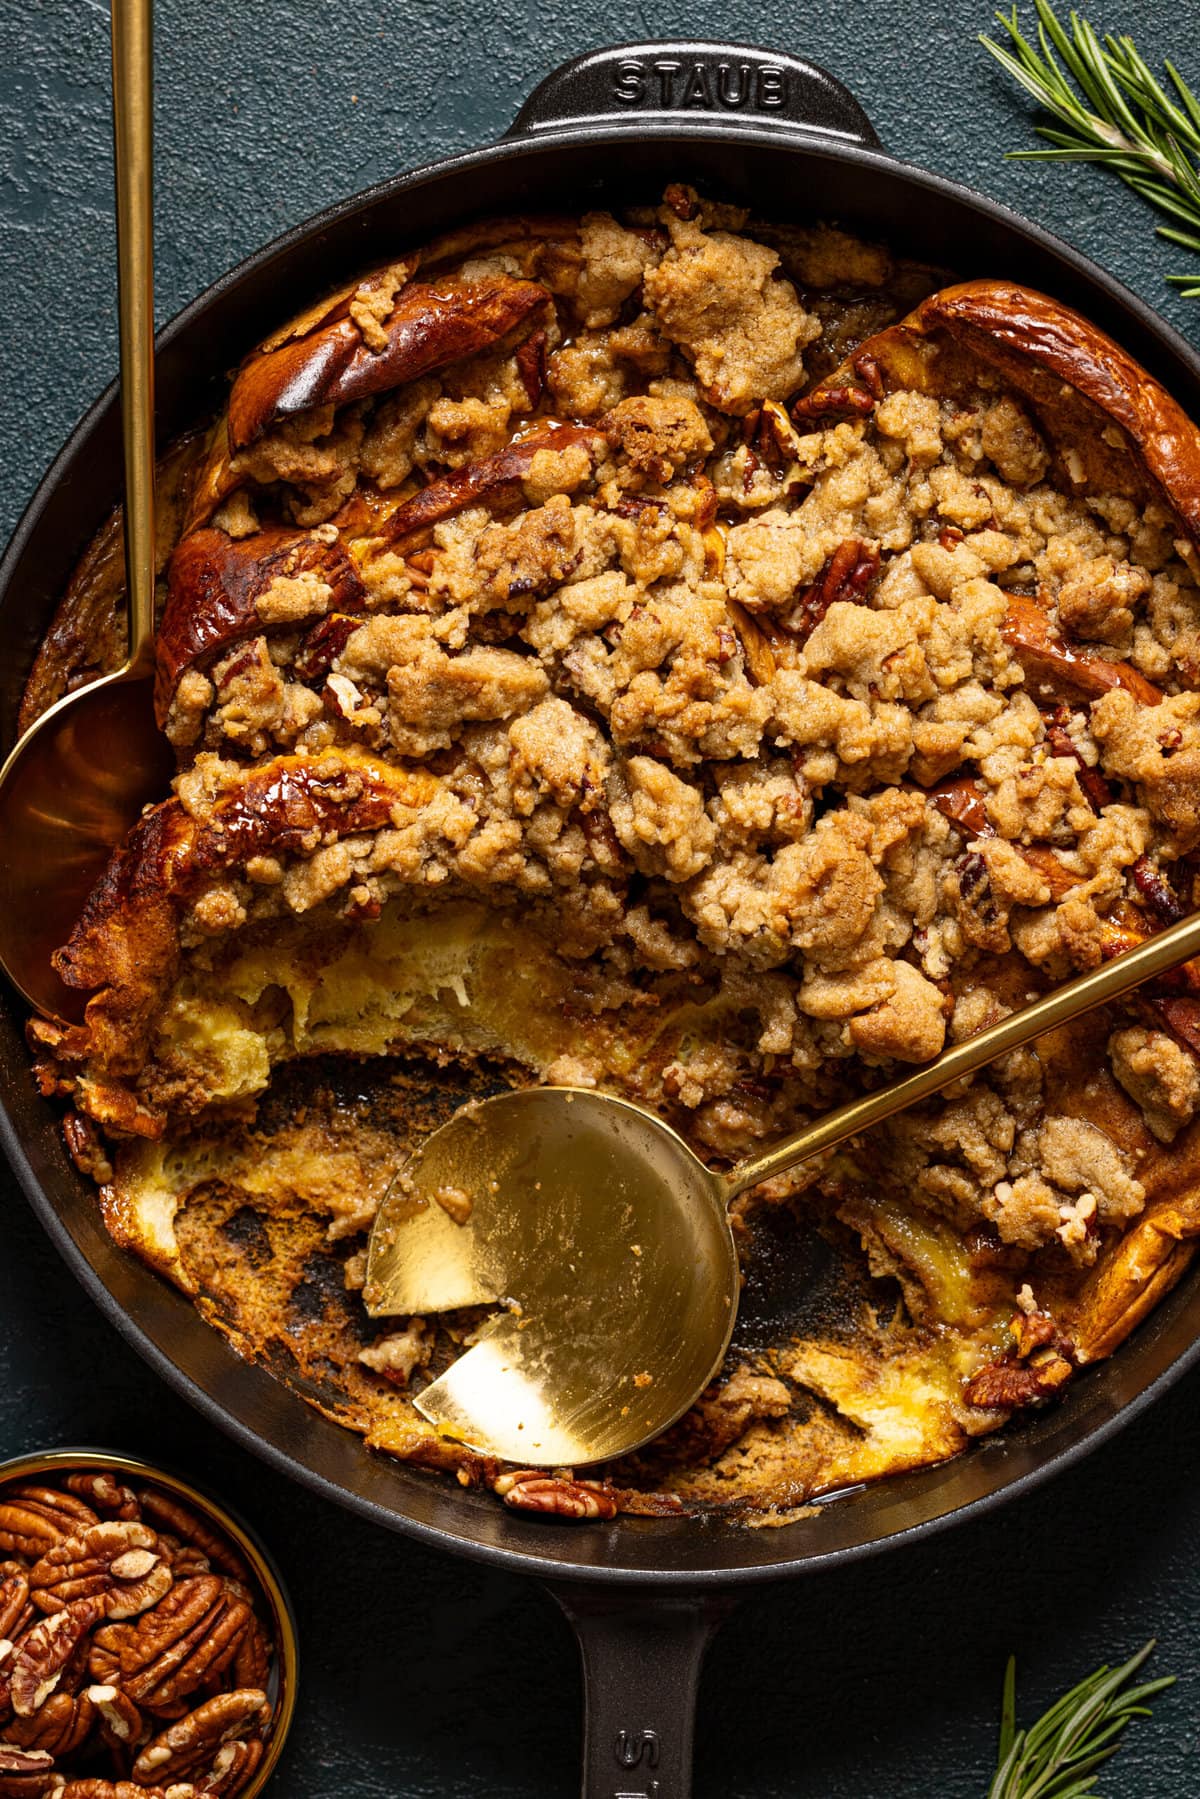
1158, 955
133, 143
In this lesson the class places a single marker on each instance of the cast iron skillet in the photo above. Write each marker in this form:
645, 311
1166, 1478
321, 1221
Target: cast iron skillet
786, 138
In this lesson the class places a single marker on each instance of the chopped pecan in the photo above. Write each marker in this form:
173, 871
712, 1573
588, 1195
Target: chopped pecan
488, 481
834, 399
756, 648
169, 1513
192, 1742
1158, 892
323, 644
59, 1727
1095, 789
44, 1651
555, 1495
235, 1766
105, 1494
847, 573
1040, 1361
962, 802
531, 366
1058, 670
86, 1149
118, 1562
1182, 1019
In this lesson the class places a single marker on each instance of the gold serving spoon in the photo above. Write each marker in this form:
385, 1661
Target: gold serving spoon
604, 1243
80, 775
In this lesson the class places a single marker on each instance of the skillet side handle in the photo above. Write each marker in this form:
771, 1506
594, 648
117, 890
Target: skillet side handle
641, 1670
690, 84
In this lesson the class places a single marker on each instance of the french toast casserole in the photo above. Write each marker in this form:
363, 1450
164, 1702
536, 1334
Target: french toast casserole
715, 661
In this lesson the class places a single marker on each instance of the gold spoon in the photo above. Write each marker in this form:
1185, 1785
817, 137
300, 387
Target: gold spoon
605, 1242
81, 774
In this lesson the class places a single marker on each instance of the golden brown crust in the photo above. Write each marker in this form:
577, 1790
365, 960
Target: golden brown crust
1029, 338
214, 582
429, 326
487, 481
1113, 423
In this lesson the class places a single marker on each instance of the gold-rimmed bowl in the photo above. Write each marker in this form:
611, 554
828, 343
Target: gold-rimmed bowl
277, 1612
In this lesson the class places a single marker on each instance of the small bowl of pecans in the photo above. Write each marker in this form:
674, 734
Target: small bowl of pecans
147, 1646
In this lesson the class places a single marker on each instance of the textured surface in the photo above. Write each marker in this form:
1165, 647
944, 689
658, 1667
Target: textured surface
427, 1676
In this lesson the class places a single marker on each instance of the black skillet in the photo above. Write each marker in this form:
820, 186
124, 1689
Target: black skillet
781, 135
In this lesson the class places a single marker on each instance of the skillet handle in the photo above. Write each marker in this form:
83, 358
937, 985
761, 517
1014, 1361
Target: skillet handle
695, 83
641, 1670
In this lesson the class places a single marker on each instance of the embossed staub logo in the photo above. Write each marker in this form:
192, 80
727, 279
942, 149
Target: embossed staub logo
675, 85
638, 1749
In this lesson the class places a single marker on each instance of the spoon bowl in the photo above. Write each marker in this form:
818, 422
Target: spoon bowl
70, 790
599, 1245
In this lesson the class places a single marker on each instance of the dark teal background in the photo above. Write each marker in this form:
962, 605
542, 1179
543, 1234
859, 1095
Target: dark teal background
425, 1676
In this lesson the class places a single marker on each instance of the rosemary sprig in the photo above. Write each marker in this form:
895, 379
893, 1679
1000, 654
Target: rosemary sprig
1057, 1757
1115, 112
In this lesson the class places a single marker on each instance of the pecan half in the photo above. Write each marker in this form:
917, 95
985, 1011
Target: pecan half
44, 1651
556, 1496
15, 1610
193, 1742
835, 399
69, 1512
185, 1560
188, 1639
118, 1562
119, 1789
235, 1766
251, 1665
32, 1519
169, 1513
121, 1723
24, 1773
105, 1495
58, 1727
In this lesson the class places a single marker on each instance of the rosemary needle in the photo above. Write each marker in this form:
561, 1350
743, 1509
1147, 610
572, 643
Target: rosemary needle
1114, 111
1057, 1758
